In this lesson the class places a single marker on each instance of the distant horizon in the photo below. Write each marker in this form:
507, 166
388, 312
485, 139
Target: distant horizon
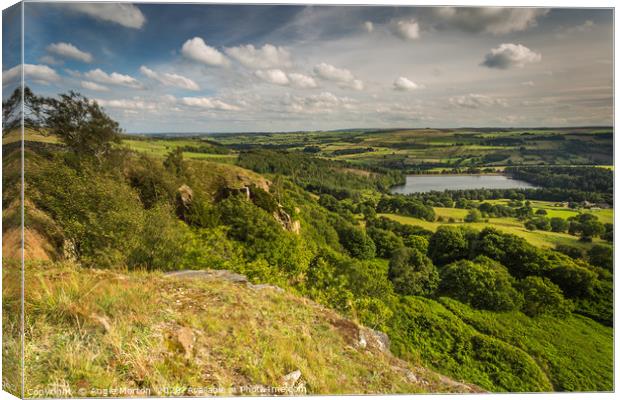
372, 129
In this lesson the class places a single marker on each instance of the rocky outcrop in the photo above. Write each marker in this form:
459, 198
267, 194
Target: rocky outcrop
286, 221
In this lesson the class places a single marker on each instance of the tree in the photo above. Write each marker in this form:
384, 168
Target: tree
412, 273
174, 161
558, 224
386, 242
356, 242
482, 283
447, 244
12, 110
602, 256
541, 296
473, 215
80, 123
585, 225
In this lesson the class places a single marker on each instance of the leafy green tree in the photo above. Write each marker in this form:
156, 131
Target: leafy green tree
602, 256
482, 283
412, 273
418, 242
473, 215
448, 244
356, 242
558, 224
386, 242
586, 225
541, 296
81, 124
574, 280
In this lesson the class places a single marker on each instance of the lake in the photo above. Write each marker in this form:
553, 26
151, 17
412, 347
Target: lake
427, 183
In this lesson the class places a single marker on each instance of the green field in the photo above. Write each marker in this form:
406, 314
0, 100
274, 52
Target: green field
509, 224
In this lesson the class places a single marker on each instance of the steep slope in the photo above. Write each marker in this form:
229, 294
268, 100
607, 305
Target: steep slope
90, 330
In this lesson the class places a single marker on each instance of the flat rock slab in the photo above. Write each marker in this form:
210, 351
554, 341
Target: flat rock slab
208, 274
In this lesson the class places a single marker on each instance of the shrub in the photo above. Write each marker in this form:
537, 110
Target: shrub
162, 241
412, 273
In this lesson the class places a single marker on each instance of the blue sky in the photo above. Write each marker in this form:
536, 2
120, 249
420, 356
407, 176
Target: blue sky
215, 68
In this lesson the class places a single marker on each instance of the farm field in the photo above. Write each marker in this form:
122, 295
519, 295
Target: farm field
439, 150
510, 225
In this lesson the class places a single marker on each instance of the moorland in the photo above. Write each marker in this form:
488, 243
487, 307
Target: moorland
500, 289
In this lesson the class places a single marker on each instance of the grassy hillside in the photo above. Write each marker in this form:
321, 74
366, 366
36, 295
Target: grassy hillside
91, 329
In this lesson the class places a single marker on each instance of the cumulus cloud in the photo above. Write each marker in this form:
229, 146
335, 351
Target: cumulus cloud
123, 14
268, 56
343, 77
114, 78
47, 59
302, 81
509, 55
279, 77
196, 49
369, 26
32, 72
407, 29
208, 103
494, 20
68, 50
136, 104
170, 79
275, 76
94, 86
404, 84
324, 102
476, 101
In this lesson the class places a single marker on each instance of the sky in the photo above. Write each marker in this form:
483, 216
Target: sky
233, 68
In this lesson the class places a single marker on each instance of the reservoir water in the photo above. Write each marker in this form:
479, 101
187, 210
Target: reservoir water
428, 183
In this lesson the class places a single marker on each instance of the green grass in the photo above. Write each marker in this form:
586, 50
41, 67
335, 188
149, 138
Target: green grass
507, 225
94, 329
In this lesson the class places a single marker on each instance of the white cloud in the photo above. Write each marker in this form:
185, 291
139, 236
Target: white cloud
275, 76
342, 76
369, 26
404, 84
170, 79
494, 20
268, 56
509, 55
302, 81
137, 104
208, 103
196, 49
114, 78
407, 29
69, 51
32, 72
47, 59
123, 14
528, 83
476, 101
324, 102
94, 86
